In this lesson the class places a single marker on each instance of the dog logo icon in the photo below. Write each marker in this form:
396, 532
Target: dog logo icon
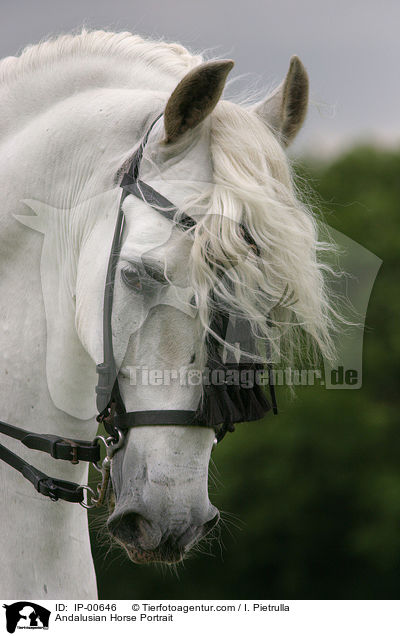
26, 615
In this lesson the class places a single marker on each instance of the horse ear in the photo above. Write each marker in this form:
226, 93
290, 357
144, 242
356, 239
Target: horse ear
195, 97
286, 108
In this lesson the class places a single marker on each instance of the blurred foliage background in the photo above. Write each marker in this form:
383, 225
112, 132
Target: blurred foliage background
311, 498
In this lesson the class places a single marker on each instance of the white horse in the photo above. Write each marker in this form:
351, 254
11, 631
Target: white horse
72, 112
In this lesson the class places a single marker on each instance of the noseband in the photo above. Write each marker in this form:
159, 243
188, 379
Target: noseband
221, 406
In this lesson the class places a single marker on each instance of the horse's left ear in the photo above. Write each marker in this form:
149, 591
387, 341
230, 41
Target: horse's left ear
286, 108
195, 97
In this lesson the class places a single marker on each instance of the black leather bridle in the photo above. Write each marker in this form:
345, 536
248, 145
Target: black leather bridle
221, 406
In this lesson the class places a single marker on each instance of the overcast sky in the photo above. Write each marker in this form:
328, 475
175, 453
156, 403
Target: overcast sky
351, 49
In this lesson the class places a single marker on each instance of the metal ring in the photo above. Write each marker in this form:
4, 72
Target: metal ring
110, 444
93, 494
100, 438
112, 448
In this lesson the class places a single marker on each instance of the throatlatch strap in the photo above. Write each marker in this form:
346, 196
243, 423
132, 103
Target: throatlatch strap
106, 370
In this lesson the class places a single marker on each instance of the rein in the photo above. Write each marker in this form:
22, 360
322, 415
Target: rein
222, 407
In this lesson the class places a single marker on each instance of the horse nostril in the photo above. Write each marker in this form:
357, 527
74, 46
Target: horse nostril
124, 527
131, 528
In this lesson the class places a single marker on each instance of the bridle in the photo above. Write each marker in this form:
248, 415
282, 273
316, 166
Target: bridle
221, 407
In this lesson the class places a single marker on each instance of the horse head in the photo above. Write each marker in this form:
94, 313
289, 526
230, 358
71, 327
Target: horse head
160, 307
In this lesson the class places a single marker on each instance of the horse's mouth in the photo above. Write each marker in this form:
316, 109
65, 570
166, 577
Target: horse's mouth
160, 555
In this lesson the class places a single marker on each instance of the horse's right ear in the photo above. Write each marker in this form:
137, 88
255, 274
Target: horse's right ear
286, 108
195, 97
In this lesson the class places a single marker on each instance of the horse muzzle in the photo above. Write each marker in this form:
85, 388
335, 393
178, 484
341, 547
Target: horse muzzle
147, 541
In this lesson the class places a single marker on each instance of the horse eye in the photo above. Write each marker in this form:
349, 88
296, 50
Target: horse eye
131, 278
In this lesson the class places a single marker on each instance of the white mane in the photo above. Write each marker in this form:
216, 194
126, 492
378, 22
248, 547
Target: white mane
285, 284
171, 58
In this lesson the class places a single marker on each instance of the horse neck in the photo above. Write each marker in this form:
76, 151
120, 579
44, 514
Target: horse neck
28, 95
44, 546
65, 128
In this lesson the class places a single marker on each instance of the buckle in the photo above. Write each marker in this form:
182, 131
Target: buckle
47, 488
74, 450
